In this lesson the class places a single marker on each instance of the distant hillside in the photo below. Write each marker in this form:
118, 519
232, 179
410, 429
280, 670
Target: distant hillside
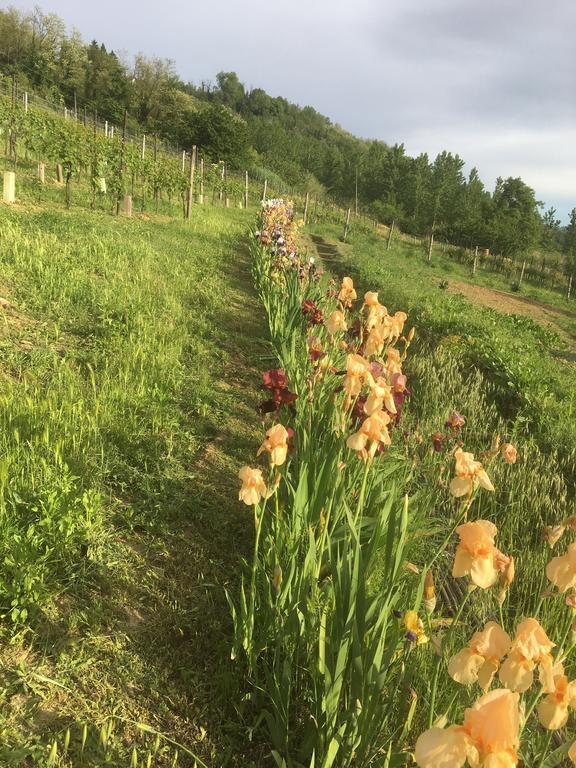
249, 128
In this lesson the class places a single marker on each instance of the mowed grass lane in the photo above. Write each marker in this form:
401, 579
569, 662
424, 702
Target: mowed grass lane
130, 357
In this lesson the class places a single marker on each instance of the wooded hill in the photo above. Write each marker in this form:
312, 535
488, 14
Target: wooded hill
297, 145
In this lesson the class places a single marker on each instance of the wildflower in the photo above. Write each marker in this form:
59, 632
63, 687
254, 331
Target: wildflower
277, 382
414, 628
469, 475
488, 737
400, 392
506, 579
312, 312
357, 374
377, 313
371, 299
553, 710
276, 443
376, 339
479, 662
393, 362
561, 571
553, 534
476, 554
336, 322
253, 486
438, 441
380, 394
397, 324
531, 647
509, 453
275, 379
429, 592
347, 293
372, 434
455, 421
277, 580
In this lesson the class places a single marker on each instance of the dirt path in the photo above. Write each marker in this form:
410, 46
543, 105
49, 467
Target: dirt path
545, 314
542, 313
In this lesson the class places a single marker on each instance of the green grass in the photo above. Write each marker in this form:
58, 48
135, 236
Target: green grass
500, 372
520, 357
127, 403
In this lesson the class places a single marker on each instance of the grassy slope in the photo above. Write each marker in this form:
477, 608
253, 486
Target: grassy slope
446, 372
517, 354
127, 403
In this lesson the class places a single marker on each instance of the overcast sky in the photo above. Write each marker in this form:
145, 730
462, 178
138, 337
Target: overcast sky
491, 80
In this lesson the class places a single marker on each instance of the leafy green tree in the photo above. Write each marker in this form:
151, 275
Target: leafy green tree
221, 134
549, 238
515, 225
230, 91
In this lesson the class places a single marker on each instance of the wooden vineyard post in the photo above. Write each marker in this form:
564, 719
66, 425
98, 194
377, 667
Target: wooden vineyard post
522, 273
430, 246
346, 225
201, 195
25, 101
59, 174
222, 180
390, 235
246, 189
475, 264
225, 176
41, 172
121, 170
265, 190
9, 190
143, 146
306, 203
156, 189
106, 128
191, 183
183, 160
570, 286
127, 206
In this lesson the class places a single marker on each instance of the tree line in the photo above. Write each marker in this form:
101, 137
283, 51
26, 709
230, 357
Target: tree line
249, 128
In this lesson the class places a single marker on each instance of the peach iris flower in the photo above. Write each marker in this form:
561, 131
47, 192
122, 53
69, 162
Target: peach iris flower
380, 394
253, 486
393, 362
553, 710
479, 662
336, 322
531, 647
509, 453
377, 337
489, 736
371, 299
469, 475
372, 434
476, 555
276, 443
347, 293
377, 313
398, 321
357, 374
562, 570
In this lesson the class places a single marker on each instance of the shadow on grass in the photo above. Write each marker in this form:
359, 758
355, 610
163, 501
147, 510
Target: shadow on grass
146, 634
